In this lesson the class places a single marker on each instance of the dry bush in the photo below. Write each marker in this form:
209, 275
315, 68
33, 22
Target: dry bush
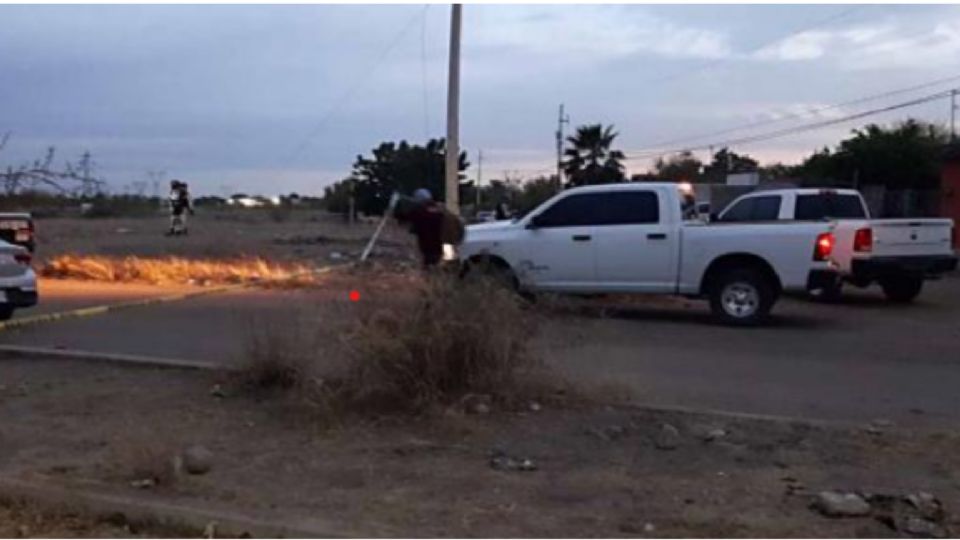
167, 270
448, 339
141, 454
425, 346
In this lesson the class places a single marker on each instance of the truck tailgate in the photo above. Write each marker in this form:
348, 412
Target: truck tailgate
911, 237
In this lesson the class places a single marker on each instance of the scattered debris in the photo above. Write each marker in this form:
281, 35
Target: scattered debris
336, 255
476, 403
609, 433
500, 461
668, 438
922, 527
715, 434
837, 504
144, 483
197, 459
534, 406
649, 527
217, 391
926, 504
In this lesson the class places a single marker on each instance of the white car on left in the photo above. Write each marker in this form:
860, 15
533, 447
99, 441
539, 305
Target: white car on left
18, 282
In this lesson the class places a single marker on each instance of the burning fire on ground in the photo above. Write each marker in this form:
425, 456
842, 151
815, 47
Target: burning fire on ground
178, 270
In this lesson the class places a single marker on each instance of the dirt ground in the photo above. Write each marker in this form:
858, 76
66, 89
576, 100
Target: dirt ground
598, 470
299, 235
19, 520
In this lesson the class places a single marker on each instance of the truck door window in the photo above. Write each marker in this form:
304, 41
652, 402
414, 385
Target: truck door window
572, 211
765, 208
628, 208
829, 205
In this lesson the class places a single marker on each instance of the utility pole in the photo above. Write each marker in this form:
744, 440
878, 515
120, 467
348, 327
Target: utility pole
953, 115
476, 188
561, 120
452, 181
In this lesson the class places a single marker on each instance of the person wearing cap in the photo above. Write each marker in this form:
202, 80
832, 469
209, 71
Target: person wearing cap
426, 223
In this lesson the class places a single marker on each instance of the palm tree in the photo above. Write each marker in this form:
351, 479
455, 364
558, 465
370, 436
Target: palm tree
590, 159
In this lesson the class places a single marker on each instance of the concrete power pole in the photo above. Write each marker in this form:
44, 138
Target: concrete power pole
453, 115
479, 179
561, 120
953, 115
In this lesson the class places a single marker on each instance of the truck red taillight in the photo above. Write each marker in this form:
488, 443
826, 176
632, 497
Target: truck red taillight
863, 240
824, 247
23, 257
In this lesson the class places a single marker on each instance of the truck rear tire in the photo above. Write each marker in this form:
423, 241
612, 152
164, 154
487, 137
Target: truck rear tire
742, 297
6, 312
901, 289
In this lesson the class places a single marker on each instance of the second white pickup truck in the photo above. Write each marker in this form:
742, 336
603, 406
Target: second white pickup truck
632, 238
899, 254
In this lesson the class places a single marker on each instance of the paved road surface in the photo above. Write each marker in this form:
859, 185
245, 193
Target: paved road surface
59, 295
859, 360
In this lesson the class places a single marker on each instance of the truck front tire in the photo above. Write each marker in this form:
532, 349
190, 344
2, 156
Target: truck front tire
901, 289
742, 297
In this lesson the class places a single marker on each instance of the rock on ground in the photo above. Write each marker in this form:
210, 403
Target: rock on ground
197, 459
836, 504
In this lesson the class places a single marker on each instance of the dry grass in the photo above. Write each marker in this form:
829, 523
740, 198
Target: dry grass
167, 270
140, 455
441, 340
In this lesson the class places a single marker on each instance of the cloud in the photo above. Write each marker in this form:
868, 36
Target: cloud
594, 33
885, 45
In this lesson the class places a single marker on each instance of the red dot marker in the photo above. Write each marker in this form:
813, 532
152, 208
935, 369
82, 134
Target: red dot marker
354, 296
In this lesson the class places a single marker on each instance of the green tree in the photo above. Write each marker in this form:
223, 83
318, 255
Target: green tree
682, 167
336, 197
904, 155
402, 168
726, 162
589, 158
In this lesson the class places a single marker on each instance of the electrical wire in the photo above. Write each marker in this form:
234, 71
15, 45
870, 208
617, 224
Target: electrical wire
796, 129
352, 89
653, 147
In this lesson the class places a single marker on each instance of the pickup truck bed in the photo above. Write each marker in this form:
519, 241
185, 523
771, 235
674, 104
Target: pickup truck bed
896, 253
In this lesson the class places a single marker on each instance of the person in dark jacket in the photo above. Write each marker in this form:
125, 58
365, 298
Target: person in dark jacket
426, 222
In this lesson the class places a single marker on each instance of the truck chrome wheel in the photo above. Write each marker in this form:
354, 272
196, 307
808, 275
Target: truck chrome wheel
740, 299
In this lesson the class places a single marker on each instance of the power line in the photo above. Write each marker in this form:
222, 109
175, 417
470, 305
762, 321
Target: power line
799, 129
357, 84
652, 147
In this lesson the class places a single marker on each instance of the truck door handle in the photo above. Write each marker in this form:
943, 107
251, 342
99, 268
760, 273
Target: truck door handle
581, 238
657, 236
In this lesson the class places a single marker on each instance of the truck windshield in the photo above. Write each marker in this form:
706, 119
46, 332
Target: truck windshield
829, 205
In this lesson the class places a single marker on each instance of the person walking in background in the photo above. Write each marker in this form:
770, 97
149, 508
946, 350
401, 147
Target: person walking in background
180, 205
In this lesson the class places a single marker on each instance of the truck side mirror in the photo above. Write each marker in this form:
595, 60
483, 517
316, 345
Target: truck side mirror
714, 216
535, 222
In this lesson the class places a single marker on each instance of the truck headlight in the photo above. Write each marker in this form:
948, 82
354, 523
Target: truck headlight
449, 252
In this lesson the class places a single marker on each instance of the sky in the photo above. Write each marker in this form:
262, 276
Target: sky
272, 99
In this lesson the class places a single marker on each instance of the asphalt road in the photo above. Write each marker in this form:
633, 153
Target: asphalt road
58, 295
859, 360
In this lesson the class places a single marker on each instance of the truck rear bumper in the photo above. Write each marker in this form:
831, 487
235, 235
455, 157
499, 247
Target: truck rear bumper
20, 298
866, 270
822, 278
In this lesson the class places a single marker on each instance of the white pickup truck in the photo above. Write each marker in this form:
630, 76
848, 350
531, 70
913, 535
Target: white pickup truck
897, 253
632, 238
